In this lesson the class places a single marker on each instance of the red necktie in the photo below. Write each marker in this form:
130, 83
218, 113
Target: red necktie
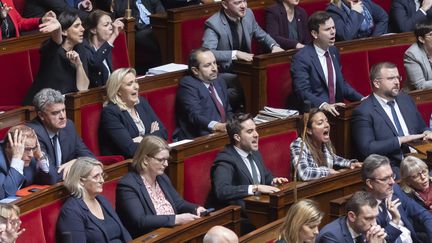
217, 103
330, 84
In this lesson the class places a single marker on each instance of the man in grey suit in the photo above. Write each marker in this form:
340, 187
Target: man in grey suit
228, 34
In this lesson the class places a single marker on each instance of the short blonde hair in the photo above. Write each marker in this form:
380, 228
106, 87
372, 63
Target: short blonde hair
150, 145
303, 212
408, 167
80, 169
7, 210
114, 83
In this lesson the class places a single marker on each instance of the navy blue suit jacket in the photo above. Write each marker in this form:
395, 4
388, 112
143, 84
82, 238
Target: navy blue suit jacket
309, 82
117, 128
348, 25
136, 209
76, 219
195, 108
97, 71
277, 26
410, 212
11, 180
336, 231
374, 133
404, 17
71, 144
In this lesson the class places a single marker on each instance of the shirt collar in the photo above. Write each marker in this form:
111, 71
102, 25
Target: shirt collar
241, 152
319, 51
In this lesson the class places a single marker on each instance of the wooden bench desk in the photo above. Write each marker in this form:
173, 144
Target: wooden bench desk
265, 233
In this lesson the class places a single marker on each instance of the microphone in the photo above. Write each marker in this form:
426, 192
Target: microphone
306, 110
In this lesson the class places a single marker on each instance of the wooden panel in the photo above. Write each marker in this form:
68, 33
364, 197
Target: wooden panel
267, 233
195, 230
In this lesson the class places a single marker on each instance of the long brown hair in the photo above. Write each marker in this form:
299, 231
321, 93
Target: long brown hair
317, 153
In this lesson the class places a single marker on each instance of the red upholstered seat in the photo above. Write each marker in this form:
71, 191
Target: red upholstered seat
50, 214
34, 226
275, 150
162, 102
191, 36
34, 61
355, 69
385, 4
90, 117
425, 110
120, 55
313, 6
109, 191
16, 77
19, 5
279, 85
392, 54
197, 184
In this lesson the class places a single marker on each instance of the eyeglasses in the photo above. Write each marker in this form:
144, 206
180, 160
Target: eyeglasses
386, 179
399, 78
160, 160
99, 177
29, 150
423, 173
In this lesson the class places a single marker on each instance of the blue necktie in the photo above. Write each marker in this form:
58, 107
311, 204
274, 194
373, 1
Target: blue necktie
395, 118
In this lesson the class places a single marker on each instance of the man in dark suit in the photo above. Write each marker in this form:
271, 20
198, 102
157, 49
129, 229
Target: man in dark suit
359, 224
310, 67
405, 14
228, 33
239, 170
22, 163
402, 218
57, 136
37, 8
202, 104
388, 119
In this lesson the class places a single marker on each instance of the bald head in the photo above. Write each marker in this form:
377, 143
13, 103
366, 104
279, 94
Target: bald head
220, 234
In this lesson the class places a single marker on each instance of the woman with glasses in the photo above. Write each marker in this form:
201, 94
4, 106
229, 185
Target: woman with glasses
145, 198
10, 223
87, 216
418, 59
415, 181
126, 116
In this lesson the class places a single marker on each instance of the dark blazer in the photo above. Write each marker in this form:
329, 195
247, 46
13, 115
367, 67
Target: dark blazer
404, 17
97, 71
37, 8
195, 108
153, 6
117, 128
19, 23
374, 133
410, 212
231, 178
11, 180
347, 25
76, 219
336, 231
71, 144
136, 209
309, 82
277, 26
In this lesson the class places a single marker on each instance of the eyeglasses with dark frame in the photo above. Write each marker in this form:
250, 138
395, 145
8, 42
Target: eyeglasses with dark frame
417, 175
386, 179
161, 160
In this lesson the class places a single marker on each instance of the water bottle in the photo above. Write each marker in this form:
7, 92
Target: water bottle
430, 122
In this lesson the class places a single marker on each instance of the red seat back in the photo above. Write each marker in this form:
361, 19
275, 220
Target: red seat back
392, 54
32, 222
191, 36
90, 117
355, 69
109, 191
16, 77
425, 110
314, 6
197, 184
120, 55
279, 85
19, 6
50, 214
385, 4
162, 101
275, 150
34, 61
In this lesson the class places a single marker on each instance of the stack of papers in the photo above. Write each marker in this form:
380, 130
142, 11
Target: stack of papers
271, 114
171, 67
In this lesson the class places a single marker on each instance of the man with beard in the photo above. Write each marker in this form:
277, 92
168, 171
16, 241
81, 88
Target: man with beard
316, 71
56, 134
238, 170
388, 119
202, 104
403, 219
358, 225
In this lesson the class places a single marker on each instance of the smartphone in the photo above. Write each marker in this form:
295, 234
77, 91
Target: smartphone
207, 212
